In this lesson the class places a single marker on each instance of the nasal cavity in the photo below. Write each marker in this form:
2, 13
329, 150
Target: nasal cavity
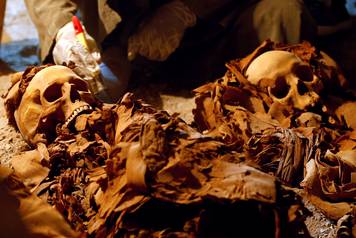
74, 95
281, 88
302, 89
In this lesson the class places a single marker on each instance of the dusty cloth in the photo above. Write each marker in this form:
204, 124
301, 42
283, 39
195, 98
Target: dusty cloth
246, 23
26, 215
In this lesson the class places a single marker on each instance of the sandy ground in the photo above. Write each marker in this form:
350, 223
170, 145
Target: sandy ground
11, 142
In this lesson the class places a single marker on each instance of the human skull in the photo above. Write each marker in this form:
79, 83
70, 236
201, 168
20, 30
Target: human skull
289, 80
55, 95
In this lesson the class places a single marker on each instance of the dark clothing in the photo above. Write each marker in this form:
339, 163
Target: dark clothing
224, 29
279, 20
326, 16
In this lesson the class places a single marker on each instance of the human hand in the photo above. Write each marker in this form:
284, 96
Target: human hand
161, 33
86, 58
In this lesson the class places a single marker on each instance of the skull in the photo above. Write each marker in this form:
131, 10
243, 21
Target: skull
286, 78
55, 95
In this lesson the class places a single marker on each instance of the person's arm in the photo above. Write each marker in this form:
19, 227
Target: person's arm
331, 29
59, 43
49, 16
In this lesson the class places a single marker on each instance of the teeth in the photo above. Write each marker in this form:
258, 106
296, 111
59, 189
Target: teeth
76, 112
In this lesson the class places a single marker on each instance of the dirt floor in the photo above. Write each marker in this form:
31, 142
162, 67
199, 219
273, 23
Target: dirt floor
17, 53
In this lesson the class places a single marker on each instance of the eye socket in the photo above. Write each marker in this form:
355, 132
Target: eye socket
53, 92
281, 88
303, 72
79, 84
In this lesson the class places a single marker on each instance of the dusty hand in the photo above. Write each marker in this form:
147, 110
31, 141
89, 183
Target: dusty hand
68, 49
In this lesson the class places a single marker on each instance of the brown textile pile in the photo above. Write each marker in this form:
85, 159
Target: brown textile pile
313, 148
157, 176
129, 170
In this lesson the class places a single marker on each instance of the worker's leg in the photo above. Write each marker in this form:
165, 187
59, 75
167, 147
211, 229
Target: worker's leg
114, 55
285, 21
115, 58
